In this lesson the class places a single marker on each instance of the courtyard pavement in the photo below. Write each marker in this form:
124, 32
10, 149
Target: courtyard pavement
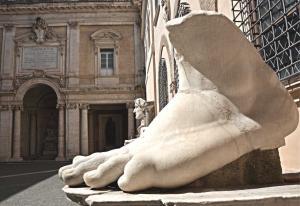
32, 184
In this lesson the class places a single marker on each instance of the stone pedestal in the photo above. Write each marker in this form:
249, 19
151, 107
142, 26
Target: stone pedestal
264, 196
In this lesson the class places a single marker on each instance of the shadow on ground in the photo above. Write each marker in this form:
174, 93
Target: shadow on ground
16, 177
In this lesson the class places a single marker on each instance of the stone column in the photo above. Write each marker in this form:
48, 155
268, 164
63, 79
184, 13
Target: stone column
131, 129
61, 132
72, 130
8, 50
73, 51
6, 131
17, 133
84, 143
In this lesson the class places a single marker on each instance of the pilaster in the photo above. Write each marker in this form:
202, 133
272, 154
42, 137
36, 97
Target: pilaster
8, 52
6, 131
84, 138
16, 155
61, 132
72, 130
73, 54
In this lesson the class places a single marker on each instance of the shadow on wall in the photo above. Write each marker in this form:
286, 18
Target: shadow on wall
15, 177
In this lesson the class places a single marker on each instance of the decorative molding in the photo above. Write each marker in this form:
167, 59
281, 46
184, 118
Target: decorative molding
73, 24
106, 34
19, 80
137, 3
8, 27
6, 107
65, 7
18, 107
60, 106
84, 106
72, 106
41, 37
106, 38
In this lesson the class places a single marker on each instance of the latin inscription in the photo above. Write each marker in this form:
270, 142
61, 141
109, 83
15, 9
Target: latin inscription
40, 58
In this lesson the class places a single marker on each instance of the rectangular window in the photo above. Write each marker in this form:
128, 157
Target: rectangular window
107, 62
273, 26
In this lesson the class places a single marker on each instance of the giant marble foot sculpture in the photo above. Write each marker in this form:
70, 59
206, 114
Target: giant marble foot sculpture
229, 103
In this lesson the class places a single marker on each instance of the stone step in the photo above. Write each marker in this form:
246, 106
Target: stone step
282, 195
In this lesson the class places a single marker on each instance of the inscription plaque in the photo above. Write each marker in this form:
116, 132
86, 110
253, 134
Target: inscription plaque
40, 58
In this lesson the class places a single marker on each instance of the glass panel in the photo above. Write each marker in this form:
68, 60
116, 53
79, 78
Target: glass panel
107, 62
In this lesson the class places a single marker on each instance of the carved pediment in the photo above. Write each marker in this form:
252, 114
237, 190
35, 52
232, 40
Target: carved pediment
106, 35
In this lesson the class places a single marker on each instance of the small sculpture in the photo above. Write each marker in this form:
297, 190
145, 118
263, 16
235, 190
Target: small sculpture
140, 106
229, 103
41, 30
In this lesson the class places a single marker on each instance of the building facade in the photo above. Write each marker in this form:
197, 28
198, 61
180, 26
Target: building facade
69, 74
272, 26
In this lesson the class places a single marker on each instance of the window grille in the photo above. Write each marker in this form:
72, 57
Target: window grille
273, 26
163, 84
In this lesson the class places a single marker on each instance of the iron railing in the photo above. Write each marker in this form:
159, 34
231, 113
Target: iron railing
273, 26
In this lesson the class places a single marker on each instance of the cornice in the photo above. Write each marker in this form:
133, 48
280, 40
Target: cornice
43, 8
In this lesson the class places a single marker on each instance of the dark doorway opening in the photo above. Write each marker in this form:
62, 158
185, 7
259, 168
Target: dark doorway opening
108, 127
39, 124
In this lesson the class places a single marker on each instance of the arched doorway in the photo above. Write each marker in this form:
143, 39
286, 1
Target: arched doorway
39, 127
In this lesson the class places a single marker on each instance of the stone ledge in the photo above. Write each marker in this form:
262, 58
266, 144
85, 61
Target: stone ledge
287, 195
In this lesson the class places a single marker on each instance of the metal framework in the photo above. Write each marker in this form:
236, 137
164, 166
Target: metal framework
273, 26
163, 84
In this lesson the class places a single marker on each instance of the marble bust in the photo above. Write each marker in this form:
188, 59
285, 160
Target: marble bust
140, 106
223, 110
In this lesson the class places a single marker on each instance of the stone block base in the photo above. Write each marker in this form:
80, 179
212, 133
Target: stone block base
287, 195
255, 168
